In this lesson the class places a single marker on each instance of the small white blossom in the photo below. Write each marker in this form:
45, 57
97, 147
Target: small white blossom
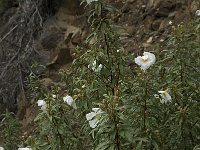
98, 69
26, 148
162, 40
94, 117
42, 104
90, 1
198, 13
165, 97
94, 66
54, 96
146, 60
70, 101
1, 148
170, 22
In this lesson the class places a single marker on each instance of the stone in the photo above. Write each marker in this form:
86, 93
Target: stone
164, 24
150, 5
146, 45
47, 83
172, 14
60, 57
51, 38
156, 24
148, 22
72, 7
163, 8
130, 30
126, 8
131, 1
150, 40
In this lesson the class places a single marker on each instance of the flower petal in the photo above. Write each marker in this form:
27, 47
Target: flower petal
198, 13
138, 60
90, 116
151, 57
26, 148
96, 109
41, 102
146, 60
98, 69
74, 105
165, 96
162, 101
68, 99
1, 148
94, 63
93, 123
90, 1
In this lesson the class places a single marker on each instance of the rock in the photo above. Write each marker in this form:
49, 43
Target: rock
51, 38
130, 30
76, 38
164, 24
163, 8
47, 83
126, 8
72, 7
131, 1
60, 57
146, 45
150, 5
150, 40
148, 22
156, 24
160, 8
172, 14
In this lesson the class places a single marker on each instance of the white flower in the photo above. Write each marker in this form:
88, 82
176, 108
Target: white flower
69, 100
90, 1
94, 67
54, 96
42, 104
145, 61
170, 22
98, 69
161, 40
26, 148
198, 13
165, 97
1, 148
94, 117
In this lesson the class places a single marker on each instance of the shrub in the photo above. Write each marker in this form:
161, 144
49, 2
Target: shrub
153, 104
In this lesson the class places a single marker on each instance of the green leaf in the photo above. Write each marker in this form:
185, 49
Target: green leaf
197, 147
102, 145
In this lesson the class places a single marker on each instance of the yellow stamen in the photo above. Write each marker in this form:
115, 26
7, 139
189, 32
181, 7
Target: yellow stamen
145, 58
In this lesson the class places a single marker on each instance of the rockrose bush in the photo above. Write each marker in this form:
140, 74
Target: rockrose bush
106, 104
